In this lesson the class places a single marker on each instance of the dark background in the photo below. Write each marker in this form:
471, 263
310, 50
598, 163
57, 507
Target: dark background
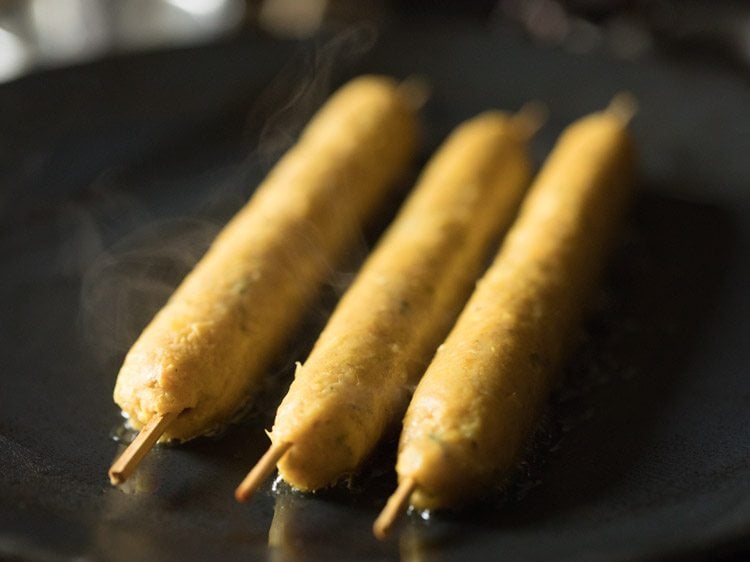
116, 173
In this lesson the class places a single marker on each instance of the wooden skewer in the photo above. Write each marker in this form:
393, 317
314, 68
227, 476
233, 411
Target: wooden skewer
624, 105
262, 470
393, 508
124, 466
416, 90
531, 117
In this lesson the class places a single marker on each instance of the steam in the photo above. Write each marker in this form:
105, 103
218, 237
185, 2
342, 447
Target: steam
125, 283
301, 87
85, 224
289, 102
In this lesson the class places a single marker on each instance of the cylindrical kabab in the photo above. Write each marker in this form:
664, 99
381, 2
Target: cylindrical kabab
359, 376
478, 401
206, 351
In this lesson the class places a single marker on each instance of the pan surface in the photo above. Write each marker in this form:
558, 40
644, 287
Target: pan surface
115, 175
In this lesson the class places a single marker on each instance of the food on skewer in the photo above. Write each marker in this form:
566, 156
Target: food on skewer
205, 353
479, 398
358, 378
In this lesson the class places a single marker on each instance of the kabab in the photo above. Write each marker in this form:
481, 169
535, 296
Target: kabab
480, 397
204, 355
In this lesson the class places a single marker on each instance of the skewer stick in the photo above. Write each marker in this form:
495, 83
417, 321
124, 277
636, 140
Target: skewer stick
531, 117
416, 90
624, 106
395, 506
124, 466
262, 470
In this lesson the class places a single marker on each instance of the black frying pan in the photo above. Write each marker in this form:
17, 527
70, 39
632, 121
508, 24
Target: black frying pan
116, 174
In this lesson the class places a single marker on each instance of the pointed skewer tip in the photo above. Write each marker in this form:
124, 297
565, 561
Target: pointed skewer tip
262, 470
393, 508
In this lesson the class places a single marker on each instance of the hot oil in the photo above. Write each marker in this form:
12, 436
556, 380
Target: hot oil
123, 432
